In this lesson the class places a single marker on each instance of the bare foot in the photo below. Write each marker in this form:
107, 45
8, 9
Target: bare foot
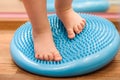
44, 46
72, 21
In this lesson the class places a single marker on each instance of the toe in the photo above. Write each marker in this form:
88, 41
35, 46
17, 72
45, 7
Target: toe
83, 23
57, 56
84, 20
80, 28
50, 57
36, 56
76, 29
71, 33
46, 57
40, 57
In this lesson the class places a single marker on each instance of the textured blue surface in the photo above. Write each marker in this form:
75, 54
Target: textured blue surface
83, 5
90, 50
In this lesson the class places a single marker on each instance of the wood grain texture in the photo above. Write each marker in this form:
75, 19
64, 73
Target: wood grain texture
10, 71
12, 23
17, 6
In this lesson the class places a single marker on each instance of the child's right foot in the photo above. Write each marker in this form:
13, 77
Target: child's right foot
44, 46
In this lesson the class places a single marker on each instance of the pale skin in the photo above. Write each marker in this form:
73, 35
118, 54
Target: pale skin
44, 46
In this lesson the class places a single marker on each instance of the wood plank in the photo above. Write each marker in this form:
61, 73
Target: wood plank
14, 23
17, 6
12, 20
10, 25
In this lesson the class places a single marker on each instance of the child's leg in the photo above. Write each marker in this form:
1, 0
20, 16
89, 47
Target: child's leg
71, 20
43, 42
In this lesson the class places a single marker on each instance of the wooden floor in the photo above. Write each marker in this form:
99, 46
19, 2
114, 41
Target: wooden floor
10, 71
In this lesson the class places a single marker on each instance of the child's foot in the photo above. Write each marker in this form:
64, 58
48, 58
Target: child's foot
44, 46
72, 21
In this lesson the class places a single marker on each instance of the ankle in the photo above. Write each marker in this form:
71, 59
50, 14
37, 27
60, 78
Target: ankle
38, 31
63, 10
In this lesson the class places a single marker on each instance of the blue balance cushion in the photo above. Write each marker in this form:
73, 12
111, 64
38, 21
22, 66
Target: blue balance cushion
90, 50
83, 5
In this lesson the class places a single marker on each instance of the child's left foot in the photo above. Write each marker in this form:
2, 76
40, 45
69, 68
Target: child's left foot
72, 21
